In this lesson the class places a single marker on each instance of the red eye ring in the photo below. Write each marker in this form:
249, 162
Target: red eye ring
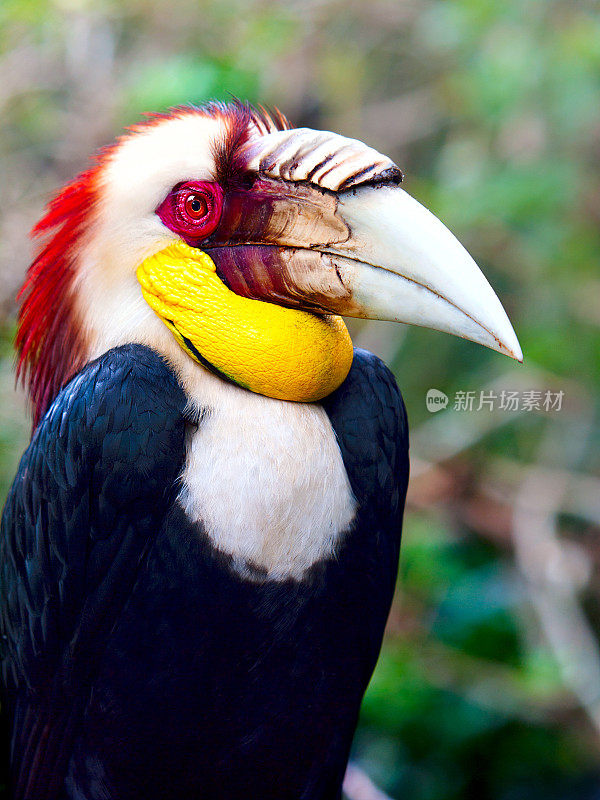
192, 210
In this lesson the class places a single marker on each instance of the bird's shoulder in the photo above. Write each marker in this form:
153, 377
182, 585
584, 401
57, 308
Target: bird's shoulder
130, 387
368, 415
120, 411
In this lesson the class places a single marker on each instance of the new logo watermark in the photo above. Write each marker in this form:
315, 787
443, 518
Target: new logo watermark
487, 400
436, 400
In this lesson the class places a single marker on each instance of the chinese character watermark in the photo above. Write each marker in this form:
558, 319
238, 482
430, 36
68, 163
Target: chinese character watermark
463, 401
525, 400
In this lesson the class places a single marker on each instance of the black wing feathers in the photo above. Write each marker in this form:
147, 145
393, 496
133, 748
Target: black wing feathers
90, 493
368, 415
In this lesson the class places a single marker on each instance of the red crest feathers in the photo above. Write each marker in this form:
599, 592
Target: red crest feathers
48, 340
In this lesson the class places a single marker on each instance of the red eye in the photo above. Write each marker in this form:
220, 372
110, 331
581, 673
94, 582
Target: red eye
192, 210
195, 206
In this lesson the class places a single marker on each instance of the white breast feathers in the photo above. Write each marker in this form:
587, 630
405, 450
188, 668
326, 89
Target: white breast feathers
267, 482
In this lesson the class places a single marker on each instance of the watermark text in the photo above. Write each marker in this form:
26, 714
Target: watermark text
489, 400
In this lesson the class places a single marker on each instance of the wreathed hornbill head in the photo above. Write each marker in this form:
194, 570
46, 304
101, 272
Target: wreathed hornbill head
223, 237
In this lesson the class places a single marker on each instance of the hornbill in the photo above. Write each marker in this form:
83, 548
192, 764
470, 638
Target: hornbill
199, 550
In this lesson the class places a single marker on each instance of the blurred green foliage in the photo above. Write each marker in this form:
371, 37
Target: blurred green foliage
493, 111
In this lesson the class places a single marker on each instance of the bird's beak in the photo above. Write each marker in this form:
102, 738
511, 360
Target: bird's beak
371, 251
401, 263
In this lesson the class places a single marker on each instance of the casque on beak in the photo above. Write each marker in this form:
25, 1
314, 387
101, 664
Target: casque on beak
340, 236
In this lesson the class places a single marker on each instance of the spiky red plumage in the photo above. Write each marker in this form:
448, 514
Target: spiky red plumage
48, 340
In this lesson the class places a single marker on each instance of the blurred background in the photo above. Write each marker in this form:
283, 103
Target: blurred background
488, 686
